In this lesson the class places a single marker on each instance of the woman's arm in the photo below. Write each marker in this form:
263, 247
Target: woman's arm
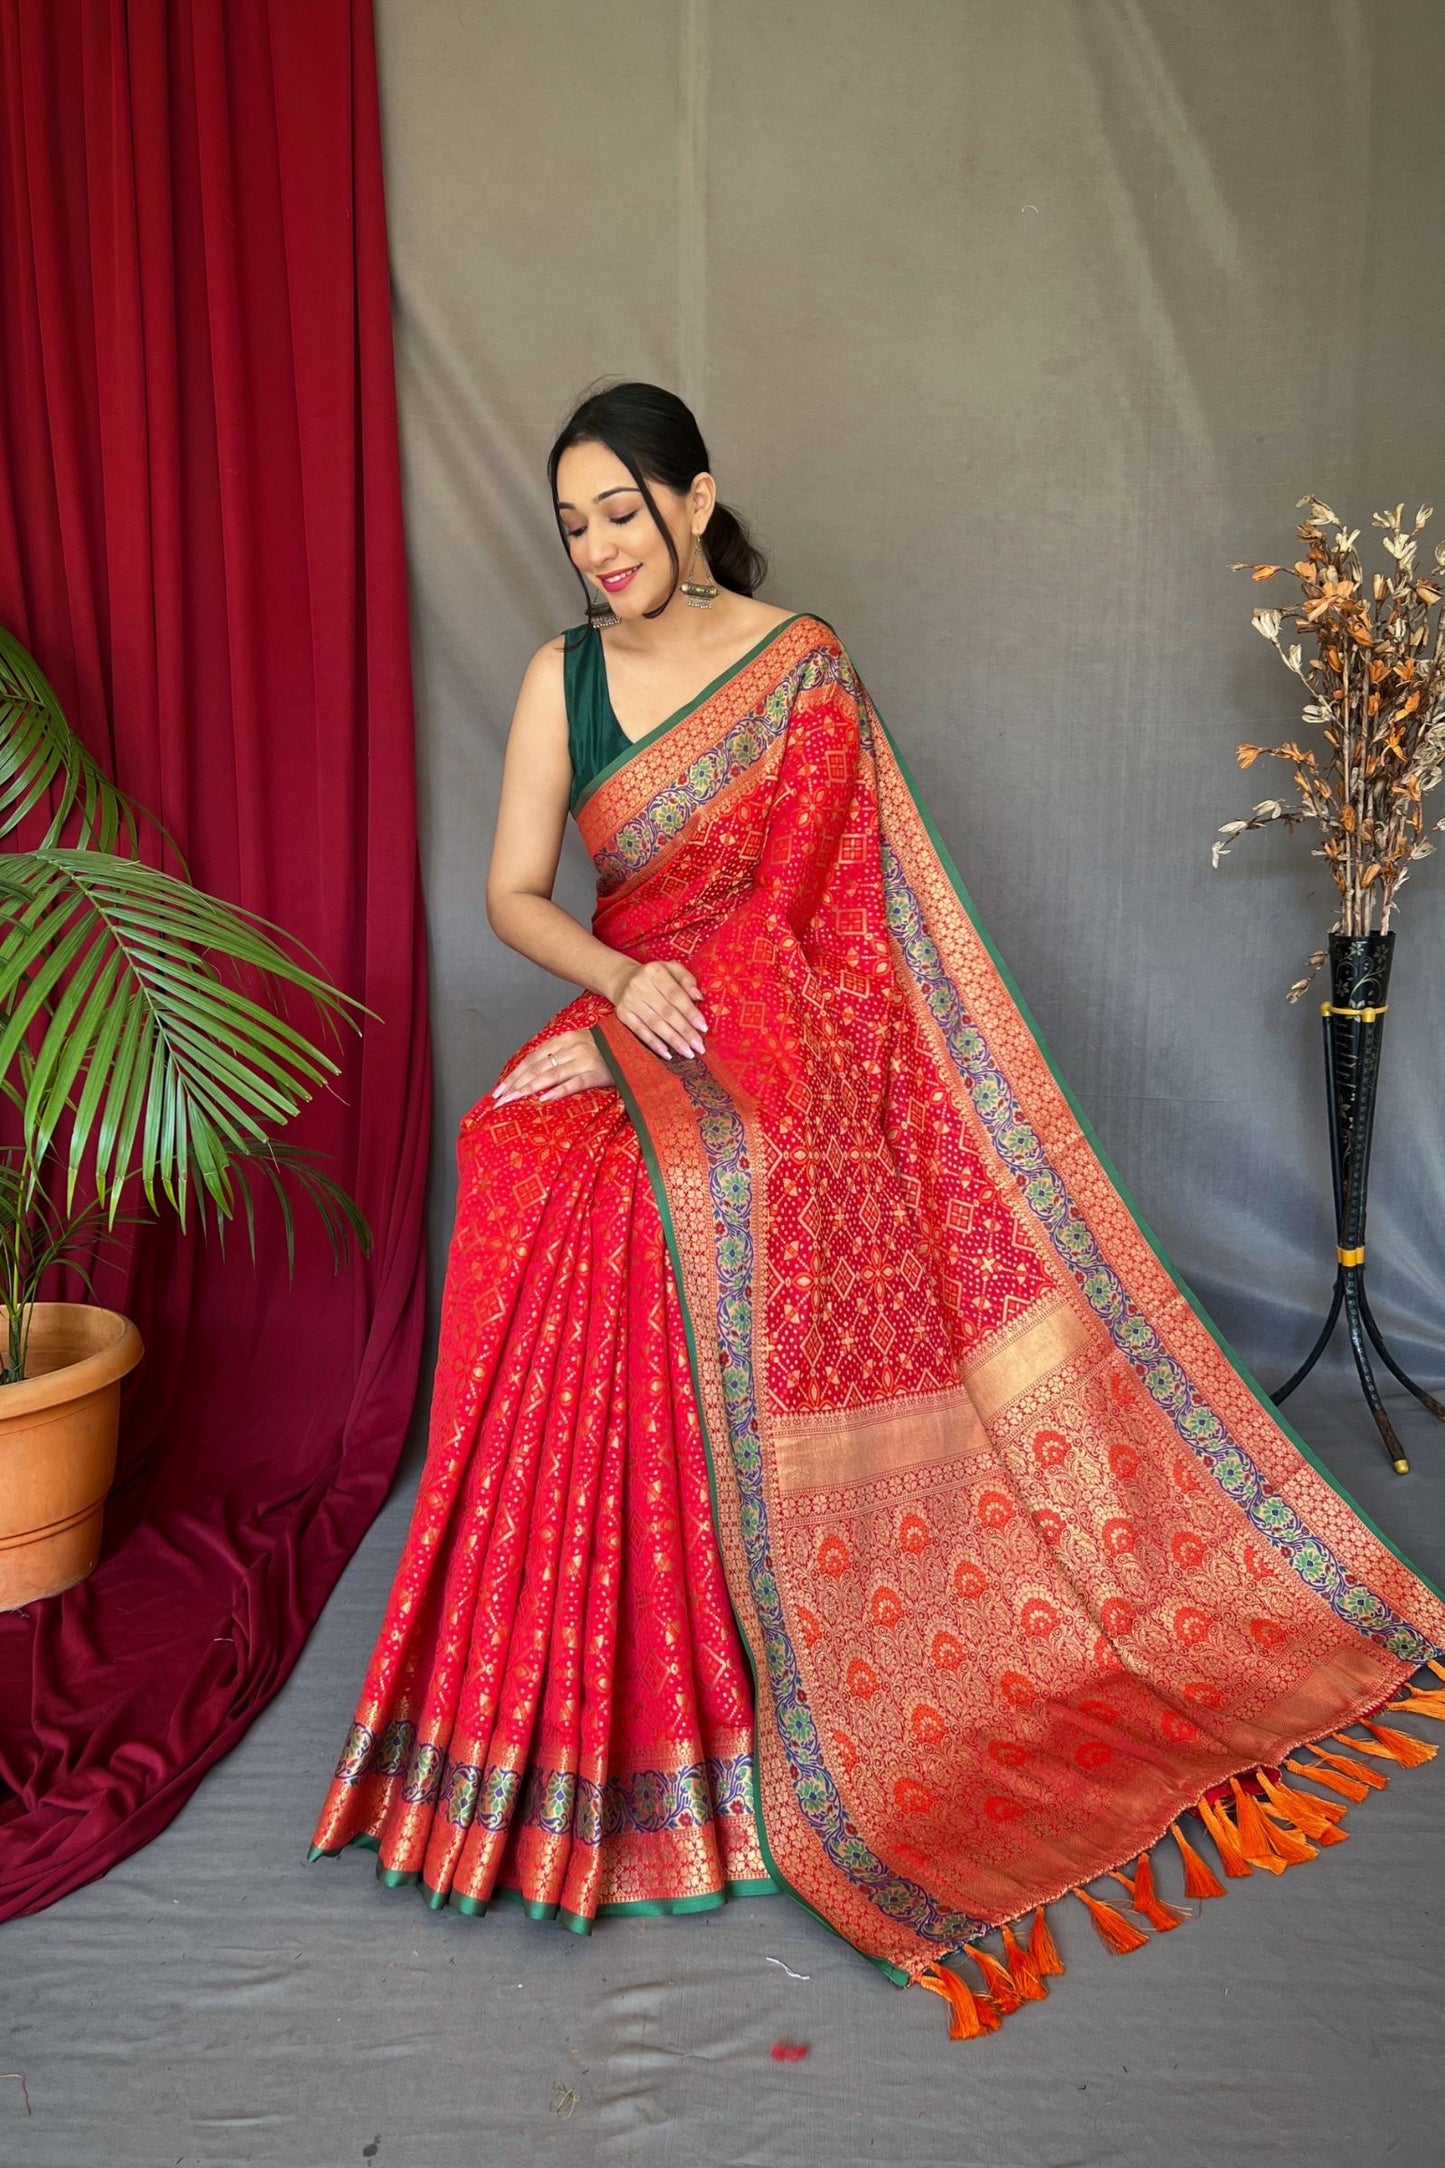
657, 1000
531, 818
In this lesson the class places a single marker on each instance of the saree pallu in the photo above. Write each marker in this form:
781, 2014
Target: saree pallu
913, 1414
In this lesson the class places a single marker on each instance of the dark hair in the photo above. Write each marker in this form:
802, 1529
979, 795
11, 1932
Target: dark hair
655, 435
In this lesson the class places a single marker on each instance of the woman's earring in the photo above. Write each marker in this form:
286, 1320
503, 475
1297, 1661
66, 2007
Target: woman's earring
700, 593
600, 613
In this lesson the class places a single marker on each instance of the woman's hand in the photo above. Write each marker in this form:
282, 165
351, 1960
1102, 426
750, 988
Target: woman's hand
658, 1002
566, 1063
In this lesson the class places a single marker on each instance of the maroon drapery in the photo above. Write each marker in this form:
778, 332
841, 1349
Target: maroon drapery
201, 542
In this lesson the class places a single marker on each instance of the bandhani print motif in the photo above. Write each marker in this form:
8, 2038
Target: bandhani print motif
985, 1562
557, 1711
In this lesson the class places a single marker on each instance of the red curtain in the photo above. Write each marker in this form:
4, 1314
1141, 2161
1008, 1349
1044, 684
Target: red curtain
201, 542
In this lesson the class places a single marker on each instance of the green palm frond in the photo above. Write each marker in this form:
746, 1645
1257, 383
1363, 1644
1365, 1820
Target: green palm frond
15, 1093
142, 1038
39, 748
340, 1216
115, 958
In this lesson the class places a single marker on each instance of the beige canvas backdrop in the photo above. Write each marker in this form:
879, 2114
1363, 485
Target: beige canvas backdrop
1010, 324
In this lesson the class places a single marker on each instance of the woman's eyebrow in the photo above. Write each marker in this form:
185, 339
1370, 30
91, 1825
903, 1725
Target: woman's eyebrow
619, 489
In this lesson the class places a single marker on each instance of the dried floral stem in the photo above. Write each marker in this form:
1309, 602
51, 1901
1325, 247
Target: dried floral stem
1376, 687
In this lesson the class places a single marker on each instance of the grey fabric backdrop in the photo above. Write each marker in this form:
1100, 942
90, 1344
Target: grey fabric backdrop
1011, 323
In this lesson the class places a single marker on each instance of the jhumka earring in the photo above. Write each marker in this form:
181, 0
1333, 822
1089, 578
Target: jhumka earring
600, 613
700, 593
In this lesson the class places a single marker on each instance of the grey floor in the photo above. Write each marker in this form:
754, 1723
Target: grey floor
216, 2000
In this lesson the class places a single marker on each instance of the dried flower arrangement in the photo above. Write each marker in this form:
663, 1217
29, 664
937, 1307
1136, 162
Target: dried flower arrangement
1376, 686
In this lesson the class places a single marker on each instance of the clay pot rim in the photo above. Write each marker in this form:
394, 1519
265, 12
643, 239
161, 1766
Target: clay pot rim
72, 1381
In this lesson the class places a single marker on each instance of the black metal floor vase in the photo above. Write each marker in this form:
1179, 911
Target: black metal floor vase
1354, 1022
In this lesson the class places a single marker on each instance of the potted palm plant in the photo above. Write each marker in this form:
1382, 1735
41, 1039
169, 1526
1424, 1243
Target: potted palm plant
130, 1048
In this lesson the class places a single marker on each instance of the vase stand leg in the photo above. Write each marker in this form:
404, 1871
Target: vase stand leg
1349, 1295
1320, 1344
1426, 1400
1355, 1325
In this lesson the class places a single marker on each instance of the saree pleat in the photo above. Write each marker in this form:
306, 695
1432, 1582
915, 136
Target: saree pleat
558, 1710
832, 1486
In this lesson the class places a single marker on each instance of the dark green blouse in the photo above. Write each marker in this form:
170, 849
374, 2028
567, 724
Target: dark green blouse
594, 735
595, 738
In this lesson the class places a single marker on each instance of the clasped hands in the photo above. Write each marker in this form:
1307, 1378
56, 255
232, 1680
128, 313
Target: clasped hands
657, 1001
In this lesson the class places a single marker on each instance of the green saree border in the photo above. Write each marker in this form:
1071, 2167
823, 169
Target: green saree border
895, 1973
679, 715
475, 1908
651, 1908
1171, 1269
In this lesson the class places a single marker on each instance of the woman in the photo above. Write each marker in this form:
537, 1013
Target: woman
831, 1486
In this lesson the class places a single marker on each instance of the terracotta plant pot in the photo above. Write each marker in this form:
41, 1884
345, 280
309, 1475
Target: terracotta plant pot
58, 1430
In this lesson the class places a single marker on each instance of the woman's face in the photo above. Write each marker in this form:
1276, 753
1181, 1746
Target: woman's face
612, 537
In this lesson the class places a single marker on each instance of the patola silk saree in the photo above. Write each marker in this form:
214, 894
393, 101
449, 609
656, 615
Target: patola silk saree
832, 1487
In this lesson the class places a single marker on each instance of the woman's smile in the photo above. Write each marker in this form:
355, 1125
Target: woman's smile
612, 581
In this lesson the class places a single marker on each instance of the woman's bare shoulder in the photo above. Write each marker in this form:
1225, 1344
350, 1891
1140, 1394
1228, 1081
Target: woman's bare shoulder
776, 616
544, 665
541, 697
768, 616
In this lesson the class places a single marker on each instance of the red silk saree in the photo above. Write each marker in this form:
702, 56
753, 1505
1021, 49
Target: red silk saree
831, 1486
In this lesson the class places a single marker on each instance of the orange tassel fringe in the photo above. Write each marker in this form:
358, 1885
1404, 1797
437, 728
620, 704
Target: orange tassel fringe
1286, 1846
1300, 1818
1146, 1899
1361, 1772
1312, 1816
1345, 1786
1115, 1932
1044, 1950
1226, 1839
1253, 1834
970, 2016
1421, 1702
1200, 1879
998, 1980
1024, 1971
1394, 1744
1274, 1825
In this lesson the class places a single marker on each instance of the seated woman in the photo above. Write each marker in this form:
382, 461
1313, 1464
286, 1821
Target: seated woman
831, 1486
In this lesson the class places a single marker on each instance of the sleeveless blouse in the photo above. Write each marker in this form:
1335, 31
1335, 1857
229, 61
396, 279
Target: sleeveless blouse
594, 735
